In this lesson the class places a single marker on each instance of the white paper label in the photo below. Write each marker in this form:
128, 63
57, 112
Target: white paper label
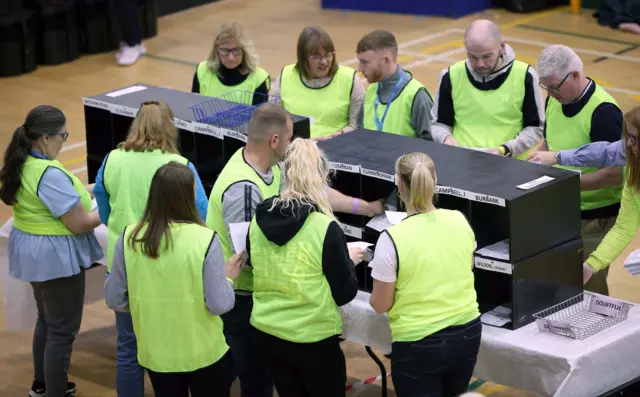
355, 169
207, 129
380, 175
352, 231
235, 135
606, 306
451, 191
125, 91
124, 111
94, 103
184, 124
485, 198
554, 326
535, 182
493, 265
482, 198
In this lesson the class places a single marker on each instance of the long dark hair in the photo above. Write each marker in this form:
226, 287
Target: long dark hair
41, 120
172, 198
632, 119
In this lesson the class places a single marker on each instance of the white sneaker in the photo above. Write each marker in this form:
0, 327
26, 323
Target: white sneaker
130, 55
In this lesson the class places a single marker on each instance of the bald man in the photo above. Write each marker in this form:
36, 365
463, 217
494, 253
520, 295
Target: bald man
253, 174
490, 101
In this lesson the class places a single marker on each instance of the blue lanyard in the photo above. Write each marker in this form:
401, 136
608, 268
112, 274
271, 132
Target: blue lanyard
380, 123
38, 155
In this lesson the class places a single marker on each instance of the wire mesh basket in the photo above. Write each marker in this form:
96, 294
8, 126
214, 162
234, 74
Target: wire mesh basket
231, 110
582, 316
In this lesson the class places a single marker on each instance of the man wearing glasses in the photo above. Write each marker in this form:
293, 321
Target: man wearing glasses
490, 101
578, 112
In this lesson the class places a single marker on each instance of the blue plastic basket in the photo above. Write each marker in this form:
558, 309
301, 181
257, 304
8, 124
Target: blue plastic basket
231, 110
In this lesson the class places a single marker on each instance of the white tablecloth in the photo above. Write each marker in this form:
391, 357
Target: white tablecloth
527, 359
19, 305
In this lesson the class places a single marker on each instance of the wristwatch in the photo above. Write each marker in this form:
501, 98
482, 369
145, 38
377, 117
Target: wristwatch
507, 151
558, 158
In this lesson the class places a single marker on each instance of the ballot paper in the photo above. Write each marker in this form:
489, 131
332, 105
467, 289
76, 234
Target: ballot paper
497, 317
632, 263
368, 253
499, 250
395, 217
384, 221
238, 232
126, 91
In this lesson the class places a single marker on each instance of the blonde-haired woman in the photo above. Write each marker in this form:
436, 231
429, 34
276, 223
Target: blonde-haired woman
232, 65
423, 278
302, 272
121, 190
317, 87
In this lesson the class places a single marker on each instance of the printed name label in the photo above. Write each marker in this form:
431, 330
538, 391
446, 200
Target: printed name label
236, 135
451, 191
207, 130
554, 326
606, 306
124, 111
352, 231
355, 169
485, 198
183, 124
535, 182
492, 265
379, 175
94, 103
482, 198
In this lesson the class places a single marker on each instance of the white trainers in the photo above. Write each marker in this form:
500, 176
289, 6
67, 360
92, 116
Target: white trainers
130, 55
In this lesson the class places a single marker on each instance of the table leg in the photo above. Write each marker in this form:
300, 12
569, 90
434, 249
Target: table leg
575, 6
383, 370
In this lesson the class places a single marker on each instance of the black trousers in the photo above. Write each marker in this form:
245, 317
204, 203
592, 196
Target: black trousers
129, 21
305, 369
214, 380
440, 365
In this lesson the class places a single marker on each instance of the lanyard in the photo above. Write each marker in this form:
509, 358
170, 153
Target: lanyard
380, 123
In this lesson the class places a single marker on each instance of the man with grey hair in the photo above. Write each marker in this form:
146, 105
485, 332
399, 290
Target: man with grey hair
578, 112
253, 174
491, 100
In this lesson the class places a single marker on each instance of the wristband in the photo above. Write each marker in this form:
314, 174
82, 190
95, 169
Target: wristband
507, 151
502, 150
355, 206
229, 280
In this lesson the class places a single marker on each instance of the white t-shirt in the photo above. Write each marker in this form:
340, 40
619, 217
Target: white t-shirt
384, 266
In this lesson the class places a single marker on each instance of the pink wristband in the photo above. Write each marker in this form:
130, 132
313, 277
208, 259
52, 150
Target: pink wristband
355, 206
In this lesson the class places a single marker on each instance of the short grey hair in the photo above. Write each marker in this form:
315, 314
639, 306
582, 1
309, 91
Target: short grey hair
558, 60
268, 119
481, 31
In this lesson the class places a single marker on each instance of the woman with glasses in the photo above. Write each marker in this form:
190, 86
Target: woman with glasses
317, 87
232, 65
52, 241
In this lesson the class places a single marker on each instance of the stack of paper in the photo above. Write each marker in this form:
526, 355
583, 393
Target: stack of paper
384, 221
499, 250
497, 317
632, 264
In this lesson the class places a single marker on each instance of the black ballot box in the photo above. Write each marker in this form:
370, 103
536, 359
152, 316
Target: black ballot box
108, 117
525, 216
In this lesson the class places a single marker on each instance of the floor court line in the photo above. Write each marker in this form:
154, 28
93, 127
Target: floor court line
572, 34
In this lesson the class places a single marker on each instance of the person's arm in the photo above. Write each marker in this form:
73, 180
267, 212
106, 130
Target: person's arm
384, 270
57, 193
101, 194
337, 266
360, 119
342, 203
421, 114
532, 117
261, 94
620, 235
239, 202
275, 87
195, 85
596, 154
442, 113
116, 291
218, 290
357, 99
202, 202
603, 178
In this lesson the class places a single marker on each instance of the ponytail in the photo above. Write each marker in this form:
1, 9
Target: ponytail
14, 157
41, 120
418, 175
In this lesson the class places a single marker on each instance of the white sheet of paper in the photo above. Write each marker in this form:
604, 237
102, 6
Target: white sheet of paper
126, 91
238, 232
368, 253
94, 204
379, 223
497, 317
535, 182
395, 217
499, 250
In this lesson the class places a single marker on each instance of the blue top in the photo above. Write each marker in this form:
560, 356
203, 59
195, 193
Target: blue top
35, 258
102, 196
596, 154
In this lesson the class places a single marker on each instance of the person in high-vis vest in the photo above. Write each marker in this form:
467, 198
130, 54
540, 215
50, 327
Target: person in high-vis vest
394, 102
316, 86
254, 174
302, 272
232, 65
168, 271
578, 112
51, 243
491, 100
628, 221
423, 279
121, 189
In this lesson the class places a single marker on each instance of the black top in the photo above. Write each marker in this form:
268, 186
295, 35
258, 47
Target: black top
230, 78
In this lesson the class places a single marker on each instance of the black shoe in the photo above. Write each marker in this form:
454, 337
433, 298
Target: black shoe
38, 389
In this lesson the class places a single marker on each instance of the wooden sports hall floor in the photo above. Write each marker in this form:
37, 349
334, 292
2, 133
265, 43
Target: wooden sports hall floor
427, 46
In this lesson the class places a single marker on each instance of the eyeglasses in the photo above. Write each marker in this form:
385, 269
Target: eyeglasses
64, 135
557, 88
327, 57
226, 51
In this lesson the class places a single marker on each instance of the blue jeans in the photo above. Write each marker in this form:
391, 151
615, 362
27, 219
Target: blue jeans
250, 366
440, 365
129, 374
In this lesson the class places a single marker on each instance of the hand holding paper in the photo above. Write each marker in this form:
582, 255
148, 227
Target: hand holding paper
632, 263
234, 265
361, 245
238, 233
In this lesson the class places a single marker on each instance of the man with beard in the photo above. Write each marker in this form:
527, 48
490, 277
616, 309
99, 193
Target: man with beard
394, 102
491, 100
